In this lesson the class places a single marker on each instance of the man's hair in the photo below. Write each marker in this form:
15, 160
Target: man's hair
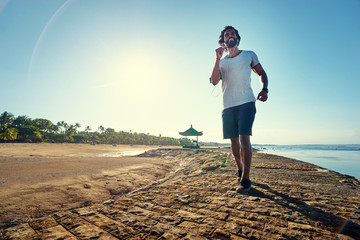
221, 37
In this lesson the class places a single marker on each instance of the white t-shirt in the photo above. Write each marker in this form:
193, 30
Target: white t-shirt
236, 82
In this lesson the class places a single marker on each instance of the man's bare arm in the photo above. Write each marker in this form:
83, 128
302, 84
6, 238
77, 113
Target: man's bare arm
263, 95
215, 76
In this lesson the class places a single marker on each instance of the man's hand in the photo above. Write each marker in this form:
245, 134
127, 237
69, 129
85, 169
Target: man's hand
263, 96
219, 52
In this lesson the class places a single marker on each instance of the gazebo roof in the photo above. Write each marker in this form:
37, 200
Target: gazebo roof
191, 132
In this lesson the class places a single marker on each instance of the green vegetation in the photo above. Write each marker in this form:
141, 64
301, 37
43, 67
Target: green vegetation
25, 129
225, 160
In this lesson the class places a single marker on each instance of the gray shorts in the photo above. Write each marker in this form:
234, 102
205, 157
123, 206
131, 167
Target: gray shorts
238, 120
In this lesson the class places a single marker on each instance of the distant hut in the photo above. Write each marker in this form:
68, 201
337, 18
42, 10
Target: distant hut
191, 132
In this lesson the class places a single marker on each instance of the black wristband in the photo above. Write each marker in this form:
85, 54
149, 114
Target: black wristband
266, 90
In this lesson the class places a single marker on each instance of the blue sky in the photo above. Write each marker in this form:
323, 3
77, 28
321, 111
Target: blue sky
145, 65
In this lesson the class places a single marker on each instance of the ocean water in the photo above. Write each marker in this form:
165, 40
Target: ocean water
121, 154
344, 159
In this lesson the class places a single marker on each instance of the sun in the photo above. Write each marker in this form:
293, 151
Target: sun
138, 74
141, 72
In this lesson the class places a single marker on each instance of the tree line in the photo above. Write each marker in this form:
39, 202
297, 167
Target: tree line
25, 129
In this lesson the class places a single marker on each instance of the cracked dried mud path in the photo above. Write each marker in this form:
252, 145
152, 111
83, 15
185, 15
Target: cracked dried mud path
289, 199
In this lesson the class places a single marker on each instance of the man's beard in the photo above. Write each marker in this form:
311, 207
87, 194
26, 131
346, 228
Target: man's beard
230, 43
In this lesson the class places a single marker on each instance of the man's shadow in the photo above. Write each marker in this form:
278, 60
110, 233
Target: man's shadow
330, 221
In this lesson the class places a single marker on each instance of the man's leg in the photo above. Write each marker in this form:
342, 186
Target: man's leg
246, 155
235, 148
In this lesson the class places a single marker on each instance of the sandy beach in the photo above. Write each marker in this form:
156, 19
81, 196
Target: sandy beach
171, 193
39, 179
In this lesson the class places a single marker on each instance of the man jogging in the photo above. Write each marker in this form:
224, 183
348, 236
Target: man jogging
238, 98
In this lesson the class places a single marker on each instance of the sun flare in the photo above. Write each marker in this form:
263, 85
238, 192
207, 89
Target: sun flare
138, 75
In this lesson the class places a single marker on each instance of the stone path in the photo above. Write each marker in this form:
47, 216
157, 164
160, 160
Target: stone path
289, 200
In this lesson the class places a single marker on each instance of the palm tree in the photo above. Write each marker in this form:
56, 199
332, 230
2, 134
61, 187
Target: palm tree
110, 135
61, 126
66, 126
87, 130
70, 131
43, 124
6, 119
22, 121
9, 134
101, 129
30, 133
77, 125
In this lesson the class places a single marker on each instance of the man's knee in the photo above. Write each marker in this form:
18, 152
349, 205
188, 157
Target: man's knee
245, 140
235, 141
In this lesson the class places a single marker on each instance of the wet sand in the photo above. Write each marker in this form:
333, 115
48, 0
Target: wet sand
62, 150
39, 179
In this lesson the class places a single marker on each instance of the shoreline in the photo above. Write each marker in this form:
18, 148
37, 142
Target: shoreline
289, 199
339, 158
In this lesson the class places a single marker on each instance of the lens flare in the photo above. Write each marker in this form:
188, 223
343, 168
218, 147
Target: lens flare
43, 32
3, 5
343, 228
